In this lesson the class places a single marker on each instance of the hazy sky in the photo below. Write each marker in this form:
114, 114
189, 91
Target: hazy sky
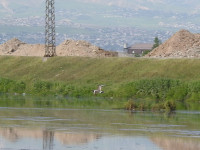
123, 3
168, 5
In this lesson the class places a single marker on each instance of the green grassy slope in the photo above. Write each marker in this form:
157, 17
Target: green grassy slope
150, 83
78, 70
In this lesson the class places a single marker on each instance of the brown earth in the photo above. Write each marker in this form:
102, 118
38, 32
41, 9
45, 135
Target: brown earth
182, 44
67, 48
18, 48
82, 48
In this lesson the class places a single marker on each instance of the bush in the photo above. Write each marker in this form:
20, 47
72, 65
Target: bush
156, 88
10, 86
146, 52
19, 87
157, 107
42, 88
130, 105
169, 106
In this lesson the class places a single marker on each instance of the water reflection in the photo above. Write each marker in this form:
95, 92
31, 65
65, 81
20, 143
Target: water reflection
48, 140
54, 129
52, 140
172, 143
9, 134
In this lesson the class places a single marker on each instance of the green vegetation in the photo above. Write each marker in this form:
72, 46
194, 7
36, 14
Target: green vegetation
157, 42
146, 52
131, 83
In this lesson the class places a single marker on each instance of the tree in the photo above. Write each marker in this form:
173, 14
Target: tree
157, 42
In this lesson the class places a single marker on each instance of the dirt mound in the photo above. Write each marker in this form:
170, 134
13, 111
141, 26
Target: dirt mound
181, 44
10, 46
67, 48
30, 50
18, 48
82, 48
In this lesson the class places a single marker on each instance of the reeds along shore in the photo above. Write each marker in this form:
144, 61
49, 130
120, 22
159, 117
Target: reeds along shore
155, 94
145, 83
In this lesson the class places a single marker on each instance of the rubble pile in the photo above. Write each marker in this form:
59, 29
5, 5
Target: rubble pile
67, 48
182, 44
83, 49
18, 48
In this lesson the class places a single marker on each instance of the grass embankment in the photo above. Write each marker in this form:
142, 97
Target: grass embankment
144, 83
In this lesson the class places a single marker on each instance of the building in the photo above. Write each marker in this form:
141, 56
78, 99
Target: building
138, 49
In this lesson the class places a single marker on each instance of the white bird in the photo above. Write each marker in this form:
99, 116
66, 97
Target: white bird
99, 90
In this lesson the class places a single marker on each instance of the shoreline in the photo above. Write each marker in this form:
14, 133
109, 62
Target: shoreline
147, 83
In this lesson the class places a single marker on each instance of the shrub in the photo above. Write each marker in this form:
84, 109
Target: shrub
141, 107
157, 107
130, 105
155, 88
169, 106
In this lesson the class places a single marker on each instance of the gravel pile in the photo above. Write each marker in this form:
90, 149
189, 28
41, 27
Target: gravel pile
83, 49
18, 48
182, 44
67, 48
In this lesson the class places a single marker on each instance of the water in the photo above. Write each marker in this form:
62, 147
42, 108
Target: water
79, 129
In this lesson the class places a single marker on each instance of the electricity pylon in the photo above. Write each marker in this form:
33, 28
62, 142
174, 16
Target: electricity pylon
50, 33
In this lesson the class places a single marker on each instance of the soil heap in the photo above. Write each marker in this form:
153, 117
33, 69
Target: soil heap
182, 44
67, 48
10, 46
18, 48
83, 49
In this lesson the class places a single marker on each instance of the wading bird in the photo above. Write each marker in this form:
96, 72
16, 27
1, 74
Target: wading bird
99, 90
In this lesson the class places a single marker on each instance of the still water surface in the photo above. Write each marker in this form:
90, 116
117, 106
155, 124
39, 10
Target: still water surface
80, 129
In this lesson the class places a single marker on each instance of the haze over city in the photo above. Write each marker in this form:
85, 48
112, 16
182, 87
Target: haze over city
105, 23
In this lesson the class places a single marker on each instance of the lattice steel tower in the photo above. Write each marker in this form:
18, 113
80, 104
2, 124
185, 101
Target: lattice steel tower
50, 33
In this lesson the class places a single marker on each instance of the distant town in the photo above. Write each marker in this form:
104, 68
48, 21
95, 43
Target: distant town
31, 29
105, 37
